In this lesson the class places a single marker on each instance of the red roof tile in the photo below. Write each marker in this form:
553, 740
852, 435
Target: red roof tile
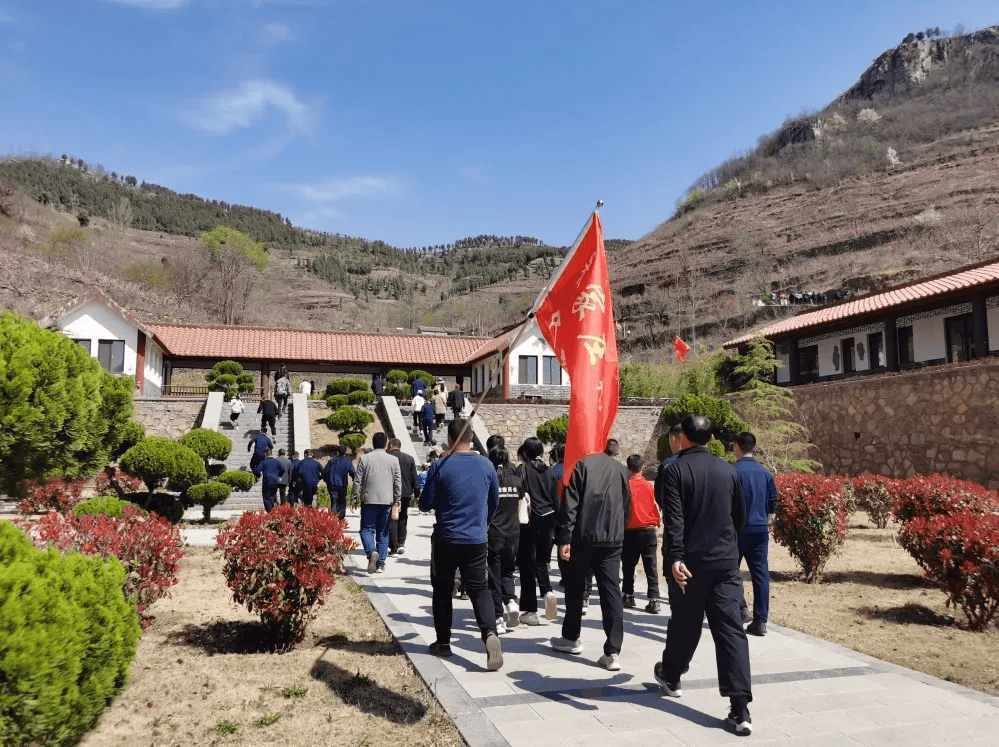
257, 343
918, 291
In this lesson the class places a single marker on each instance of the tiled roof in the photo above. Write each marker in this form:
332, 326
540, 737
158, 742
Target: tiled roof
259, 343
918, 291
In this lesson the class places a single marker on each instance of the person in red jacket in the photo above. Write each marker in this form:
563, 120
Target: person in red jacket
640, 540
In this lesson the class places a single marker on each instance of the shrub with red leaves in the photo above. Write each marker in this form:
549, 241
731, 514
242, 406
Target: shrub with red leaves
923, 496
42, 495
149, 547
876, 495
281, 564
810, 520
117, 482
960, 554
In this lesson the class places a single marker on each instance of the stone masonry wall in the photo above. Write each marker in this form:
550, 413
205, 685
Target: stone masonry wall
171, 418
634, 427
941, 419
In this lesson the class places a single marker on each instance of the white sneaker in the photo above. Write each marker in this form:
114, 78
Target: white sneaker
531, 618
373, 562
609, 662
551, 606
455, 593
512, 615
501, 627
564, 644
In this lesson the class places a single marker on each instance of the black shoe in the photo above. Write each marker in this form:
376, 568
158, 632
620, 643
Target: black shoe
439, 649
746, 616
738, 718
652, 607
672, 689
628, 601
757, 628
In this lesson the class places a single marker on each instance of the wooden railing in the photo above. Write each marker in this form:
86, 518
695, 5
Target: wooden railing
176, 390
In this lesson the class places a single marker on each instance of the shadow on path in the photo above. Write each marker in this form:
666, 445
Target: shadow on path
366, 695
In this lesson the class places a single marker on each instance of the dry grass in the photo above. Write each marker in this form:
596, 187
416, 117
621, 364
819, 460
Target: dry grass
203, 664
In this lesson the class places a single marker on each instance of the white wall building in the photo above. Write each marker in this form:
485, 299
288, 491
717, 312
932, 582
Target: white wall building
532, 370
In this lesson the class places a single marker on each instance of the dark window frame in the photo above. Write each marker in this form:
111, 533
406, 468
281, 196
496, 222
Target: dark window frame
551, 370
907, 344
526, 372
849, 359
113, 360
876, 345
806, 376
967, 323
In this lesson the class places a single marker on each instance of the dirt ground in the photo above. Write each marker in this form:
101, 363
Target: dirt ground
202, 670
873, 599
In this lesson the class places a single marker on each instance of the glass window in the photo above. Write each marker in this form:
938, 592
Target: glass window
528, 373
552, 370
876, 350
808, 364
960, 339
111, 355
906, 347
85, 344
849, 356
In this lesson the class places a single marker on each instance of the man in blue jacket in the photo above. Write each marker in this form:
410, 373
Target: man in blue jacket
307, 473
272, 471
463, 489
761, 503
259, 445
335, 475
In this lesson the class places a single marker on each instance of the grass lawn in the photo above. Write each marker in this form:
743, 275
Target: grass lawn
202, 676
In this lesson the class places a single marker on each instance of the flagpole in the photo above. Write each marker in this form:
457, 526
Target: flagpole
565, 261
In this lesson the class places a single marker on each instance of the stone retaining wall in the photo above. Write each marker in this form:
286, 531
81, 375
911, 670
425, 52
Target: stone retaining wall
171, 418
941, 419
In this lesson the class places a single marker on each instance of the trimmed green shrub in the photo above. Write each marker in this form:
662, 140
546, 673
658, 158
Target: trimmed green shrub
155, 459
357, 385
246, 382
336, 401
395, 376
349, 419
229, 377
106, 505
61, 414
207, 444
399, 392
361, 398
717, 448
67, 639
353, 441
724, 421
337, 386
238, 479
208, 495
323, 496
554, 431
428, 378
131, 433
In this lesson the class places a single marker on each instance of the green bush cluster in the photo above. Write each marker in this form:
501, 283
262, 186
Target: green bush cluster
207, 444
554, 431
352, 441
428, 378
723, 418
229, 377
131, 434
156, 458
238, 479
108, 505
346, 386
395, 376
67, 639
208, 495
361, 398
336, 401
349, 419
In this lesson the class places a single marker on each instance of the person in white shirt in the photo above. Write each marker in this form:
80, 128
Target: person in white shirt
418, 402
235, 409
305, 387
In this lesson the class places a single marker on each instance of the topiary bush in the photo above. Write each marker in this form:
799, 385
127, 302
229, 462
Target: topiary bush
428, 378
810, 520
337, 386
923, 496
336, 401
353, 441
131, 433
208, 495
357, 385
554, 431
396, 376
207, 444
281, 565
959, 553
156, 459
400, 391
148, 546
106, 505
724, 421
53, 494
67, 639
238, 479
229, 377
875, 494
349, 419
361, 398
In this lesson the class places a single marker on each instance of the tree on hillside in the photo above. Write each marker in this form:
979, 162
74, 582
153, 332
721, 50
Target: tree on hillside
235, 261
120, 218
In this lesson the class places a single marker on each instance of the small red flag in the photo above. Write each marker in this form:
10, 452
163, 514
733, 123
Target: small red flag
681, 349
576, 317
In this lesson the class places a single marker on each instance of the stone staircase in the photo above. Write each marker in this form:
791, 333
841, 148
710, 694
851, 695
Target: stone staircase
239, 458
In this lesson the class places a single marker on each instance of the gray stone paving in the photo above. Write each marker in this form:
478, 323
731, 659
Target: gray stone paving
807, 691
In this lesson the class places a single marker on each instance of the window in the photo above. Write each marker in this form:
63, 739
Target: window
849, 356
960, 338
876, 350
528, 372
111, 355
85, 344
808, 364
906, 347
552, 371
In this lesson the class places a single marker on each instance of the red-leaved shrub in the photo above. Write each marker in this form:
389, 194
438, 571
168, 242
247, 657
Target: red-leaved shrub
810, 520
42, 495
960, 554
149, 547
923, 496
117, 482
281, 564
875, 494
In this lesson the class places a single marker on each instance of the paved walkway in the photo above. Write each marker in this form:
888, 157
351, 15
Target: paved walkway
807, 691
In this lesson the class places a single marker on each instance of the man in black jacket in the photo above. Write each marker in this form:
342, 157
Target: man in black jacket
536, 538
269, 417
590, 525
703, 513
456, 400
398, 527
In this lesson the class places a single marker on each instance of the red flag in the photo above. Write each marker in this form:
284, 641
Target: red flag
576, 316
681, 349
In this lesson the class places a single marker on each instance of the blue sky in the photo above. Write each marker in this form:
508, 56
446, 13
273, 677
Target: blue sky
419, 123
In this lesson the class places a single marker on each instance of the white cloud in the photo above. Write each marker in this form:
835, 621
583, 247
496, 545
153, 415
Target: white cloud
238, 108
333, 190
275, 33
152, 4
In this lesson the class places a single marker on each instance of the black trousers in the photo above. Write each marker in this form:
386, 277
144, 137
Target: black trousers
270, 496
254, 461
265, 420
533, 556
308, 493
398, 528
471, 560
640, 543
428, 429
605, 564
282, 402
502, 570
282, 494
717, 594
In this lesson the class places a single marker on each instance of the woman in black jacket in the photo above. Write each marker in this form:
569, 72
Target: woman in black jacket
504, 539
538, 537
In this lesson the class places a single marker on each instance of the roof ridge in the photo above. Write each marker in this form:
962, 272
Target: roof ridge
315, 331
